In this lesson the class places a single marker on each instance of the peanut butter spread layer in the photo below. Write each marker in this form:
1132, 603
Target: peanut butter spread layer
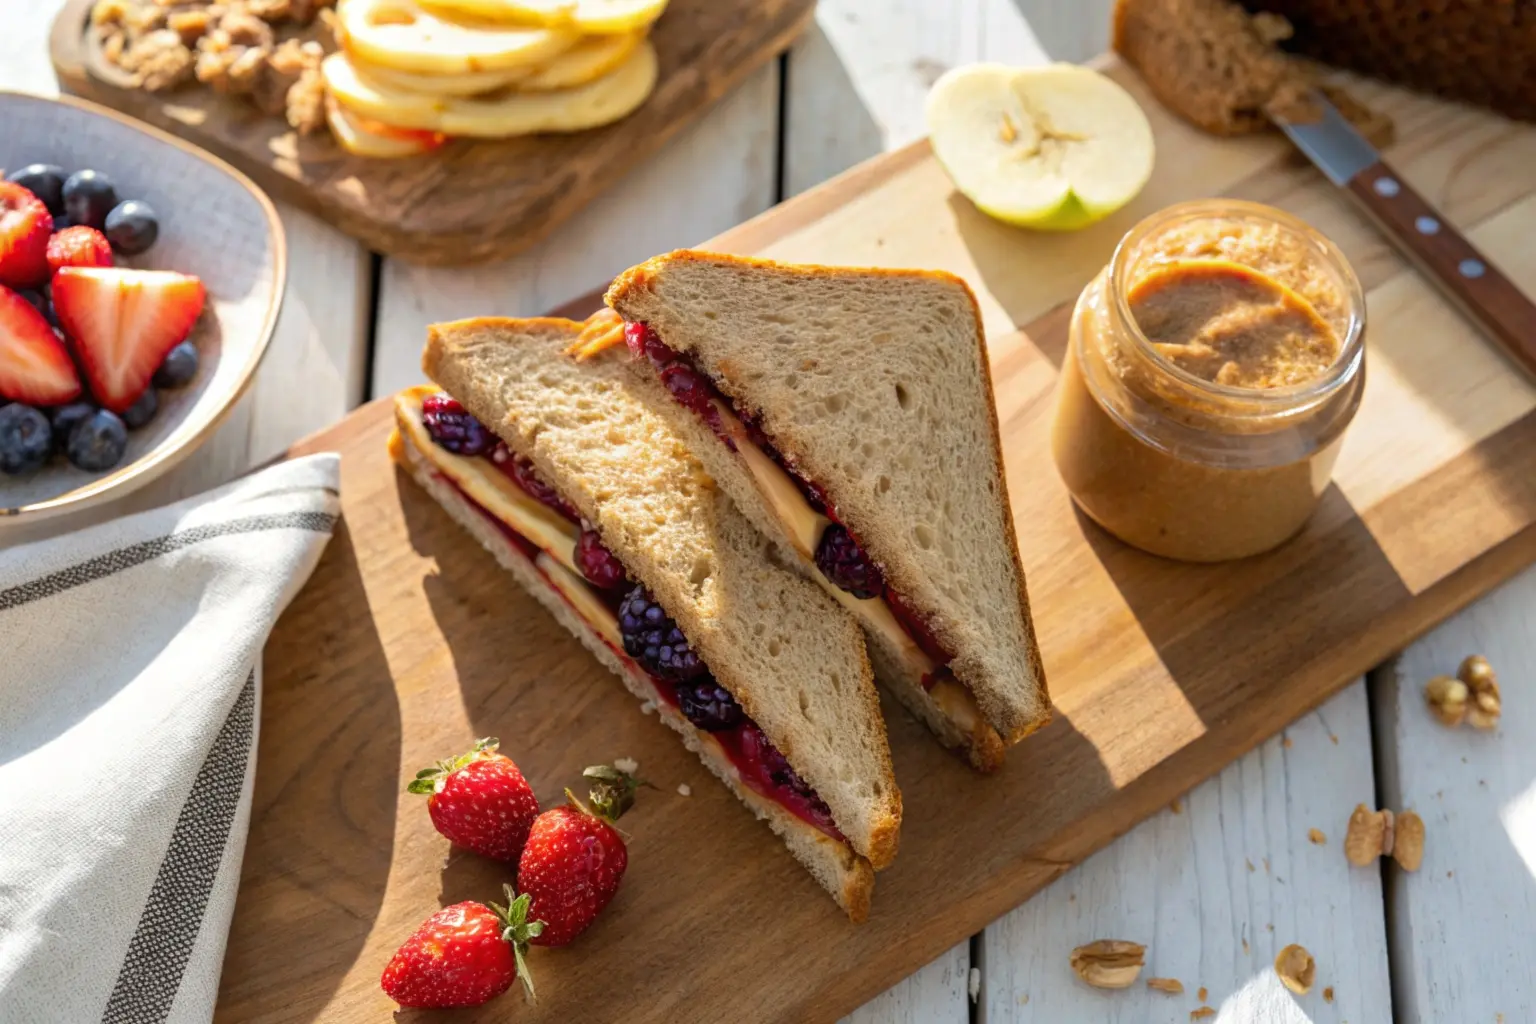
1232, 325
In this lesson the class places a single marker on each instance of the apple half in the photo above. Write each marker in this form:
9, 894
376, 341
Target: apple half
1053, 148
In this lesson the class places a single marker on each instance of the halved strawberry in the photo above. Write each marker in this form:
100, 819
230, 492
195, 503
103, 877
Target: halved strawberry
25, 225
34, 367
122, 323
79, 246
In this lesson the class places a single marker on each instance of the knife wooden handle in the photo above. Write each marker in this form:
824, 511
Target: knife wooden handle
1465, 275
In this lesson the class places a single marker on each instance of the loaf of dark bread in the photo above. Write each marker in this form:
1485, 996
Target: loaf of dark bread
1477, 51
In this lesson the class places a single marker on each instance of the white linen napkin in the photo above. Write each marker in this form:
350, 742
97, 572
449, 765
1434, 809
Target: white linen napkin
129, 702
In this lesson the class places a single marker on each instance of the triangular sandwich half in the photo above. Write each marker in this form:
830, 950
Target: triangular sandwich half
849, 414
590, 499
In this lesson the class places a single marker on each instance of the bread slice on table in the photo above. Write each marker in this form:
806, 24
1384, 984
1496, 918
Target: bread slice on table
793, 660
872, 386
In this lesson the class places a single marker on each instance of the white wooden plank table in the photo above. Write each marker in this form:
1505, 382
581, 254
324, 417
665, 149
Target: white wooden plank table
1213, 888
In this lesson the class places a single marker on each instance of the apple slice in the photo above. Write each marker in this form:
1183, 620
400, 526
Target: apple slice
1052, 148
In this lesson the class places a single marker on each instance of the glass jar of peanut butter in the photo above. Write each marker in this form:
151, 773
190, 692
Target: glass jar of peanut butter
1211, 370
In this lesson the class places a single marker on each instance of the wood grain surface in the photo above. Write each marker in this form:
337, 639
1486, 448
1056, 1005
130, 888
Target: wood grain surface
1459, 936
408, 642
470, 201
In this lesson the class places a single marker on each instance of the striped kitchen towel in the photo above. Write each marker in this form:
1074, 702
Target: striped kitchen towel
129, 701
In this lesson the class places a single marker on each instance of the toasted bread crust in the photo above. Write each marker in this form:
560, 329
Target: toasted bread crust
853, 874
880, 841
1012, 723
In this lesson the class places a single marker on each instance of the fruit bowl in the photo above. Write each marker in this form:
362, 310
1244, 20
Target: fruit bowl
213, 223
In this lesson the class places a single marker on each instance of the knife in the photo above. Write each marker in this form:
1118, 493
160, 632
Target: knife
1465, 276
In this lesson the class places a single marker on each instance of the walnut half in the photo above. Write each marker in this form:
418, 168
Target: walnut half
1109, 963
1296, 968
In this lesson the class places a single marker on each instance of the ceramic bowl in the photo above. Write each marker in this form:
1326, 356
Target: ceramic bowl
214, 223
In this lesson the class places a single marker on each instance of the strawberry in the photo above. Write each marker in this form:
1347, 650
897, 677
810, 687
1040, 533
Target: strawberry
25, 225
480, 800
79, 246
122, 323
34, 366
463, 955
575, 858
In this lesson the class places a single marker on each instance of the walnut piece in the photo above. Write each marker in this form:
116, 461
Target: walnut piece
1109, 963
1369, 835
1408, 845
1173, 986
1296, 969
1487, 703
1447, 698
158, 60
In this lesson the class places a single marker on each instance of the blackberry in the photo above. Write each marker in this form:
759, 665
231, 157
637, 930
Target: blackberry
453, 428
842, 561
597, 563
708, 705
653, 639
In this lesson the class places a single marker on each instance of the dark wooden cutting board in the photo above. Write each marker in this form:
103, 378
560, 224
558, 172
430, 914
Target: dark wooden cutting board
471, 201
409, 642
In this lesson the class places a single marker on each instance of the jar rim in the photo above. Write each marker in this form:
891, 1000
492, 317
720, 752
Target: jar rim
1351, 348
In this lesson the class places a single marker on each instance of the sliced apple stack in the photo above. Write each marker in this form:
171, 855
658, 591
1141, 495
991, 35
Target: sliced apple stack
412, 73
1051, 148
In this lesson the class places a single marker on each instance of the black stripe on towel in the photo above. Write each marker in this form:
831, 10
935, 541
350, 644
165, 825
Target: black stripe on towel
126, 558
162, 942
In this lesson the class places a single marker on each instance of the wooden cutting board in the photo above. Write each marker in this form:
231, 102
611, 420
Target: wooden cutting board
408, 642
470, 201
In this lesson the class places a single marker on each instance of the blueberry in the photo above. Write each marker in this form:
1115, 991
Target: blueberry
97, 442
179, 368
88, 198
65, 417
26, 439
132, 227
46, 181
142, 410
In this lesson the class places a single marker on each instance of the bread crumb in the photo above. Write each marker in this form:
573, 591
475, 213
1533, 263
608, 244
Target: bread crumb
1200, 995
648, 707
1176, 807
1201, 1014
626, 764
683, 790
1173, 986
1316, 837
1328, 994
973, 984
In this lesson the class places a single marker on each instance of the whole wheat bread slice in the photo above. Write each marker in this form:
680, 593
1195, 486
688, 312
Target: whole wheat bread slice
793, 659
844, 874
874, 383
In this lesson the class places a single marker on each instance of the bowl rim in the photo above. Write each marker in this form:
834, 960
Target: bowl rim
165, 457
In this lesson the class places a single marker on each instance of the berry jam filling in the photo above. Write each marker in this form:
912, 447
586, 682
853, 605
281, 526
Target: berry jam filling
521, 472
678, 375
649, 635
597, 563
839, 555
453, 428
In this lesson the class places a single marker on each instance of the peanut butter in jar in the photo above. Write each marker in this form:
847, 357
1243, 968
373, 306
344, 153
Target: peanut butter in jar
1211, 371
